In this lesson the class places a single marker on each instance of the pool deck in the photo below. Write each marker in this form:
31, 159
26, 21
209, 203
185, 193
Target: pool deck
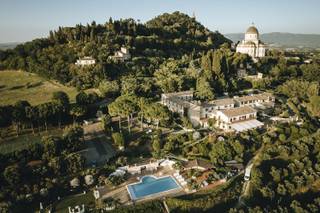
121, 193
157, 194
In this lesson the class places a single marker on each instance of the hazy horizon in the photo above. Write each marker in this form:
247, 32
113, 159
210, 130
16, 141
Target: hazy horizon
25, 20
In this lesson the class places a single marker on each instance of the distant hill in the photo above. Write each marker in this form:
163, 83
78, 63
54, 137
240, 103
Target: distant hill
170, 35
284, 39
10, 45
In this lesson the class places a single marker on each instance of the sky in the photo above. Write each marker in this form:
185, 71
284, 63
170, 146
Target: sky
24, 20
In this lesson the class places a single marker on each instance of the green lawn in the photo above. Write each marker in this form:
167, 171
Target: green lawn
19, 85
72, 201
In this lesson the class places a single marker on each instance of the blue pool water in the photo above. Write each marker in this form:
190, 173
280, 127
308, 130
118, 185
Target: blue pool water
150, 185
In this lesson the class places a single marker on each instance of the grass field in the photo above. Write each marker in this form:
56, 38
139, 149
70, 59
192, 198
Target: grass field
19, 85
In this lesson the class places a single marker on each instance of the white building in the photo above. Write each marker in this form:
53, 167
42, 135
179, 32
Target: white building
85, 61
237, 119
182, 103
223, 103
261, 100
251, 44
207, 109
177, 101
138, 168
122, 55
232, 114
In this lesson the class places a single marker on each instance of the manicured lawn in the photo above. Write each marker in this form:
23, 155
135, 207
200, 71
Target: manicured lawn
19, 85
72, 201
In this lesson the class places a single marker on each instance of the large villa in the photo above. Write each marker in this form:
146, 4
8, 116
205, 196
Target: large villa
229, 114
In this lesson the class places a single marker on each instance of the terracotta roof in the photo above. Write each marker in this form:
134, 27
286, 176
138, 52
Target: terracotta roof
223, 101
198, 163
263, 96
246, 98
238, 111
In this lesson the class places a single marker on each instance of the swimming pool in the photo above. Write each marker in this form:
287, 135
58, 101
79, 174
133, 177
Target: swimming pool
150, 185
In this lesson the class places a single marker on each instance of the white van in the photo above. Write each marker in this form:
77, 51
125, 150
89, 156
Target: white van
248, 172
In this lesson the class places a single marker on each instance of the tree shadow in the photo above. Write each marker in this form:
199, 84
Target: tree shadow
16, 87
32, 85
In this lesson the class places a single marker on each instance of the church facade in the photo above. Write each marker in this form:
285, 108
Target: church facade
251, 44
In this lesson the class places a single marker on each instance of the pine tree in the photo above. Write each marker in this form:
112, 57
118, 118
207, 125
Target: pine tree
216, 63
204, 90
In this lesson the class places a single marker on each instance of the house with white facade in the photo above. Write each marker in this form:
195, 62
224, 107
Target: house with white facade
207, 109
183, 103
122, 55
85, 61
223, 103
237, 119
177, 101
261, 100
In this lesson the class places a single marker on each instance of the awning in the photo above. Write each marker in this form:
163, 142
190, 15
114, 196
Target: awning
246, 125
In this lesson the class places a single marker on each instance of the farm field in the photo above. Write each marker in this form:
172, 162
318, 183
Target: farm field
19, 85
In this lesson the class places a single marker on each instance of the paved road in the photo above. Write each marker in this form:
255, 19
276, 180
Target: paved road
246, 184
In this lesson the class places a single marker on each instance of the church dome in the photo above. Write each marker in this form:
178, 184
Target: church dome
252, 30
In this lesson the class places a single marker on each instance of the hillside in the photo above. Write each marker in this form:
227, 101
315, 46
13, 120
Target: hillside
284, 39
165, 36
17, 85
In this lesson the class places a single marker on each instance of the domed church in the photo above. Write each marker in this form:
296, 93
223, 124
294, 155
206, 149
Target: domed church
251, 44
